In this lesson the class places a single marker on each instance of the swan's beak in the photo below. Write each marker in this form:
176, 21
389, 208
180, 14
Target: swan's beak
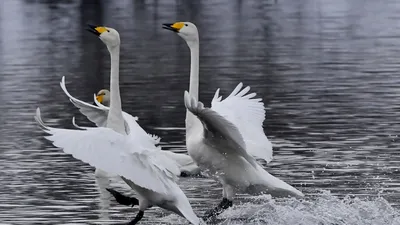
96, 29
99, 98
174, 27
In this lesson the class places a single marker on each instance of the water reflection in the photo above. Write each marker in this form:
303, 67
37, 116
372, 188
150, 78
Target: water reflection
327, 71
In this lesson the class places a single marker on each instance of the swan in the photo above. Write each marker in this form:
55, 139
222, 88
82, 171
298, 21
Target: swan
120, 149
227, 138
98, 115
186, 164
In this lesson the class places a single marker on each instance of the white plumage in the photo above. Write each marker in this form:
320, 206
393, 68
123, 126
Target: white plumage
219, 147
122, 147
150, 174
224, 140
248, 115
123, 155
98, 114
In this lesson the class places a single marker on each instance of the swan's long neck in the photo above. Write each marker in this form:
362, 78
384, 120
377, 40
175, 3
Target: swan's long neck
115, 120
191, 120
194, 71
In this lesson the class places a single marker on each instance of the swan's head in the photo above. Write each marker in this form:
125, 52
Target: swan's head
187, 30
108, 35
103, 96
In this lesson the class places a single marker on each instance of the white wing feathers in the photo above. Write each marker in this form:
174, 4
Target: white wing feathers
98, 115
247, 114
134, 130
116, 154
218, 130
94, 113
76, 125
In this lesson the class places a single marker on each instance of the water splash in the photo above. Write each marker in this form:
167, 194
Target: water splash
325, 209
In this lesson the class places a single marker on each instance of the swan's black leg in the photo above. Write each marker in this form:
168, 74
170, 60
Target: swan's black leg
138, 217
122, 199
184, 174
224, 204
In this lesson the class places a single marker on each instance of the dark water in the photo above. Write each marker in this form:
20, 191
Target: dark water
328, 72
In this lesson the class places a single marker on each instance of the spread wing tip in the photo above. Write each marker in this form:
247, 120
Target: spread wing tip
64, 87
38, 119
76, 125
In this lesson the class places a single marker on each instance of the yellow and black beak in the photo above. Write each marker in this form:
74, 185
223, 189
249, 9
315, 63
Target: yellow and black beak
175, 27
97, 30
99, 98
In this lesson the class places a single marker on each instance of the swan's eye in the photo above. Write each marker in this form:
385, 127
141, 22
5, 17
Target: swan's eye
186, 25
108, 31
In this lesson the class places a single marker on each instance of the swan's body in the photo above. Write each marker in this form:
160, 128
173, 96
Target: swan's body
225, 138
98, 114
186, 164
219, 148
122, 149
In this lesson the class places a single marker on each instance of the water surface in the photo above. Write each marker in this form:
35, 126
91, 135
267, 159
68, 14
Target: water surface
327, 71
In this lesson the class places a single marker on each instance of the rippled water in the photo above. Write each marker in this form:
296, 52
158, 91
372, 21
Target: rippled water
328, 72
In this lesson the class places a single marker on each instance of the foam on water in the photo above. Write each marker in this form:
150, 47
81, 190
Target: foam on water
325, 209
327, 71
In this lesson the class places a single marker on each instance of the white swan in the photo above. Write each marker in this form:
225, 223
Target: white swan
123, 152
224, 139
98, 115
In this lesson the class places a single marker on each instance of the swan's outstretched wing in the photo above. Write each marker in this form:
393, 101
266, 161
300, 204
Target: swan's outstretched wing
247, 114
218, 131
94, 113
133, 129
116, 154
185, 162
98, 114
